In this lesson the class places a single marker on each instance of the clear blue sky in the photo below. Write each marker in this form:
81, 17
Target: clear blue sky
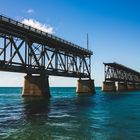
113, 27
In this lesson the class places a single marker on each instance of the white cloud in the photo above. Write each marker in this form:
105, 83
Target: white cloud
30, 11
36, 24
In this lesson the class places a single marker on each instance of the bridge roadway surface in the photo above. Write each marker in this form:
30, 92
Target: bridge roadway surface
25, 49
120, 73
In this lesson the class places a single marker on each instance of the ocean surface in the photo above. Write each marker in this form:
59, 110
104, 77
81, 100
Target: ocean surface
66, 116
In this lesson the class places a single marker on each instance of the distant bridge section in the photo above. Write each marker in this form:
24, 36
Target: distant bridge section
127, 78
120, 73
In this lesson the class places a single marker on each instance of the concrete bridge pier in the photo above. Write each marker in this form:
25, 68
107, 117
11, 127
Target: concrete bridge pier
36, 85
86, 87
108, 86
137, 86
131, 87
121, 86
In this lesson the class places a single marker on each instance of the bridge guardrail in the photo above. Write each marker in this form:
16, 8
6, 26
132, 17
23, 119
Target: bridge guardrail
7, 19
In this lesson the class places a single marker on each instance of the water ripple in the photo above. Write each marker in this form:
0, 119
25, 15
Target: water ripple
69, 117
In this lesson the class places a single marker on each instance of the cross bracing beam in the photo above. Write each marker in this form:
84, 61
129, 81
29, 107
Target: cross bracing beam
25, 51
120, 73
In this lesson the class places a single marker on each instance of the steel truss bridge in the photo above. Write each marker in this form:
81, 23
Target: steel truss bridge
120, 73
25, 49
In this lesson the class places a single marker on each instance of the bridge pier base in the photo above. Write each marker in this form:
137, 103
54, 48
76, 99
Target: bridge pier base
86, 87
36, 86
137, 86
131, 87
122, 86
108, 86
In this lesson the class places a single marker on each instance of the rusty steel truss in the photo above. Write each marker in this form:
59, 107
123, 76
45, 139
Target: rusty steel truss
120, 73
28, 50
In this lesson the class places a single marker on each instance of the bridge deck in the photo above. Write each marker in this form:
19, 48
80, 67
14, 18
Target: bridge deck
21, 30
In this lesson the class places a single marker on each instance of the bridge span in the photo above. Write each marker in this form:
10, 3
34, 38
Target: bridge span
120, 78
24, 49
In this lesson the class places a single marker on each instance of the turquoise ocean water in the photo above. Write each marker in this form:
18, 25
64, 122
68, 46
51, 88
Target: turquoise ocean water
66, 116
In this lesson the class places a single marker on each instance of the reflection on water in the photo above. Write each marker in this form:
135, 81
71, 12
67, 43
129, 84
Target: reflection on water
35, 108
67, 116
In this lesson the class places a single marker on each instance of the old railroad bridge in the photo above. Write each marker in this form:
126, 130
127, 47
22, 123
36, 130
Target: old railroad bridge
24, 49
120, 78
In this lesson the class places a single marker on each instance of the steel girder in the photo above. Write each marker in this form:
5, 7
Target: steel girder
23, 55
